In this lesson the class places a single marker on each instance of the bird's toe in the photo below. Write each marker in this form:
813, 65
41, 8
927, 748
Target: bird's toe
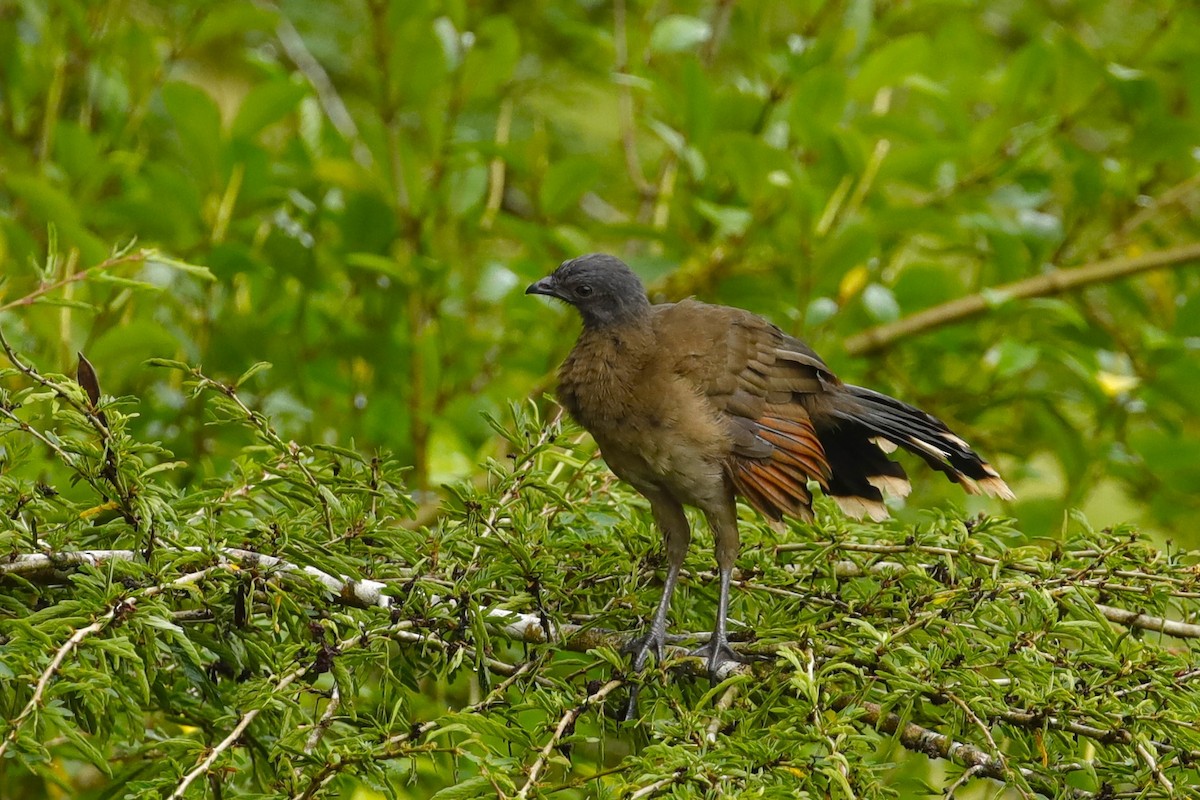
720, 659
641, 647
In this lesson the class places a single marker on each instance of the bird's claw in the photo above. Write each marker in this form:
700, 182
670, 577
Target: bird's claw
640, 648
628, 711
719, 657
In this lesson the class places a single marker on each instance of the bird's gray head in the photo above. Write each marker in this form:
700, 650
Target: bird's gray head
603, 288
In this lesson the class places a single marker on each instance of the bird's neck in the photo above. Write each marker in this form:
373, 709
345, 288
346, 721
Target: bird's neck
629, 312
630, 335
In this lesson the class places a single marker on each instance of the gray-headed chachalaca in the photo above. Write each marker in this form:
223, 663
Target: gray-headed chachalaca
694, 404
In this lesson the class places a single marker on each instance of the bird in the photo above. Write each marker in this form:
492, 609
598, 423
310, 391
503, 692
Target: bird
695, 404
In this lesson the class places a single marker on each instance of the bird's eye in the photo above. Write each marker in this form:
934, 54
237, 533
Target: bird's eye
584, 290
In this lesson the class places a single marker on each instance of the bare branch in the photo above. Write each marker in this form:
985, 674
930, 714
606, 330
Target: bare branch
1133, 619
723, 705
1058, 281
931, 743
1155, 770
322, 724
531, 628
327, 94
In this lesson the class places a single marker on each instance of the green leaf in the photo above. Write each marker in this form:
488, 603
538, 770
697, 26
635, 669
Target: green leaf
477, 786
168, 364
198, 122
1011, 357
566, 181
257, 367
166, 466
197, 270
468, 185
266, 104
677, 32
728, 220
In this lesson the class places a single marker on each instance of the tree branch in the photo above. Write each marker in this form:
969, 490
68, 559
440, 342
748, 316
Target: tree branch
327, 94
138, 257
206, 764
533, 629
1058, 281
1134, 619
565, 725
49, 673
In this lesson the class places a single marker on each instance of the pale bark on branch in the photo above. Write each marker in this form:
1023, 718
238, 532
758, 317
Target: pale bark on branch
511, 624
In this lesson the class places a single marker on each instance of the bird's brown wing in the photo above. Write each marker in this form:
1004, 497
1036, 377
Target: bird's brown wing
752, 376
791, 420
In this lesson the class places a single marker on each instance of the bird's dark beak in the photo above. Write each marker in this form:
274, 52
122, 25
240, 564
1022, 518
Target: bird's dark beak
546, 286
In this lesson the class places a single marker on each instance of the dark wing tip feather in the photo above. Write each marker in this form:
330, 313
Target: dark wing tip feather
892, 421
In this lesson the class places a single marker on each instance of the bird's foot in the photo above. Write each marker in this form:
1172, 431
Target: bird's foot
719, 657
640, 649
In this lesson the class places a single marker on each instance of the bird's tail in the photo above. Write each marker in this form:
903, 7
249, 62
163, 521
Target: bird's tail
861, 426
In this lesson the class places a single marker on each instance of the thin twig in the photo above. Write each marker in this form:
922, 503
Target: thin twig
68, 459
651, 788
49, 672
564, 725
522, 468
322, 724
1155, 770
292, 451
206, 764
723, 705
327, 94
1058, 281
138, 257
968, 774
997, 753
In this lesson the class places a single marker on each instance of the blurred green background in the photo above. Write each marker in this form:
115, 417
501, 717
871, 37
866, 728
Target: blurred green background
374, 183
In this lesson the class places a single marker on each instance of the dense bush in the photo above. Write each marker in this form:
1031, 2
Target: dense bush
276, 633
278, 581
374, 183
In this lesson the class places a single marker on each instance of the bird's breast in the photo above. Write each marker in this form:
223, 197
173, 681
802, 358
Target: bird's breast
655, 430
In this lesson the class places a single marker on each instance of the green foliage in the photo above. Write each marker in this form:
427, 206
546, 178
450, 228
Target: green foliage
275, 632
372, 185
280, 604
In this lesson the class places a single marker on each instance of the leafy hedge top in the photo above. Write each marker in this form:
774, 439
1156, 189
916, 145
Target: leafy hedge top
373, 183
280, 631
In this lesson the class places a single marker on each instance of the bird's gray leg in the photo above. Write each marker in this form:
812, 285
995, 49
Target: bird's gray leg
677, 535
723, 522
